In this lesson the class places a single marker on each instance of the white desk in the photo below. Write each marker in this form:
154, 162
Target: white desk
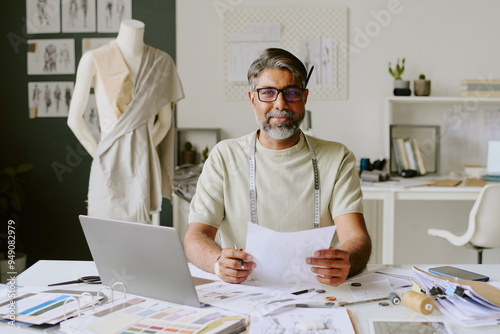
389, 196
46, 272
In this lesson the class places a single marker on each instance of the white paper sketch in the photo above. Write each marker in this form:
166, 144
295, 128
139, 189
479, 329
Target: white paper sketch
245, 299
397, 278
51, 56
318, 53
281, 256
78, 16
460, 133
288, 321
241, 56
245, 47
371, 290
408, 327
110, 13
91, 117
269, 31
43, 16
49, 98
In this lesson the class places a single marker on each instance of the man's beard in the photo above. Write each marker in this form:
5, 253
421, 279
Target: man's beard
280, 131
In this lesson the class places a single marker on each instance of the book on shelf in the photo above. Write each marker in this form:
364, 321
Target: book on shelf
480, 93
407, 155
404, 154
480, 82
397, 155
410, 152
480, 88
420, 160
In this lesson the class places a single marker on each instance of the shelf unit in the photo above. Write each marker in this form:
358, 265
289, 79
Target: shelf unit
415, 110
199, 137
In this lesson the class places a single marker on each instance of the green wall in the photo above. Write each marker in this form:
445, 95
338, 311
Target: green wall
49, 226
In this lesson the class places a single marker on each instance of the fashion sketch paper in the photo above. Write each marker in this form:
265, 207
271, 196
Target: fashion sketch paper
281, 256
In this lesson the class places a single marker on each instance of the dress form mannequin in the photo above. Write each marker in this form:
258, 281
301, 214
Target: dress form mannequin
131, 45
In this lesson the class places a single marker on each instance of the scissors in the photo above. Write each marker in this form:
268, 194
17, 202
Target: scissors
83, 279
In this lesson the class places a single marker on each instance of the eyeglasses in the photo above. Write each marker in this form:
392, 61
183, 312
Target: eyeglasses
291, 94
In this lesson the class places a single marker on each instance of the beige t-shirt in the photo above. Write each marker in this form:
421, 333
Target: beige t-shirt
284, 187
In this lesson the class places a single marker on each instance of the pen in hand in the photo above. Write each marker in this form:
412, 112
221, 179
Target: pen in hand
241, 261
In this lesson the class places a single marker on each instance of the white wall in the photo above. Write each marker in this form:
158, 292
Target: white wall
447, 40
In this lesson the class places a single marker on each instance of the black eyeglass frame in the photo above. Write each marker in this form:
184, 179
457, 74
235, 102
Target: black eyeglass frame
281, 90
278, 93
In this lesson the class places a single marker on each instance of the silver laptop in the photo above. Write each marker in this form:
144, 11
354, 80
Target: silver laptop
493, 162
148, 259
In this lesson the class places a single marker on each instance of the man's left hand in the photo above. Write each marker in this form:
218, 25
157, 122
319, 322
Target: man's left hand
331, 265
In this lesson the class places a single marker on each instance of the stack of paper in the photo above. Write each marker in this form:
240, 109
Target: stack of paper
480, 88
468, 303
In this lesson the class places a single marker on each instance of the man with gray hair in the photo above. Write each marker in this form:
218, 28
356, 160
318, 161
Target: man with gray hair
281, 167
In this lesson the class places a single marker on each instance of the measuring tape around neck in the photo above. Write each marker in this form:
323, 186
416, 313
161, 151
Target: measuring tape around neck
252, 184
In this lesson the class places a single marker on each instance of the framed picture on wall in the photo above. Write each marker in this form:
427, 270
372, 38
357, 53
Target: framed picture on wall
43, 16
51, 56
49, 98
110, 13
78, 16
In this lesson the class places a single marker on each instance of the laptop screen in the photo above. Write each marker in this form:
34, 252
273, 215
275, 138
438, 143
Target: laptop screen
493, 160
148, 259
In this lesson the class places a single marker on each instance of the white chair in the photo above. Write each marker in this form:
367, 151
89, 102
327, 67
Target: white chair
484, 223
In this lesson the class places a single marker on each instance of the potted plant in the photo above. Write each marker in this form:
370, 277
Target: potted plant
422, 87
401, 87
188, 155
12, 198
204, 154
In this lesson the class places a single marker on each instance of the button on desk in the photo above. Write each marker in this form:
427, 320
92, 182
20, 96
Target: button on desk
389, 196
43, 273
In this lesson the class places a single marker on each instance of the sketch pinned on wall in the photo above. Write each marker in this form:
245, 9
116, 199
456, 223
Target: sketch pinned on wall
91, 117
43, 16
78, 16
49, 98
51, 56
318, 53
110, 13
245, 47
460, 136
329, 25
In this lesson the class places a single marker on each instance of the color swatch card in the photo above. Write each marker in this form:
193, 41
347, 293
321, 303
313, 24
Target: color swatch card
34, 306
144, 315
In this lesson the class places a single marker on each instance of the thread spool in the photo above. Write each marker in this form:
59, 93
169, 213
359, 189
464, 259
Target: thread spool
394, 298
418, 302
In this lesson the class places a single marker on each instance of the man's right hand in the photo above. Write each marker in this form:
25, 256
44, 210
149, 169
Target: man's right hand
231, 269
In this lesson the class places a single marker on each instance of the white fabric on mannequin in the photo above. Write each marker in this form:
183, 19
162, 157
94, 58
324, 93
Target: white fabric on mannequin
132, 49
